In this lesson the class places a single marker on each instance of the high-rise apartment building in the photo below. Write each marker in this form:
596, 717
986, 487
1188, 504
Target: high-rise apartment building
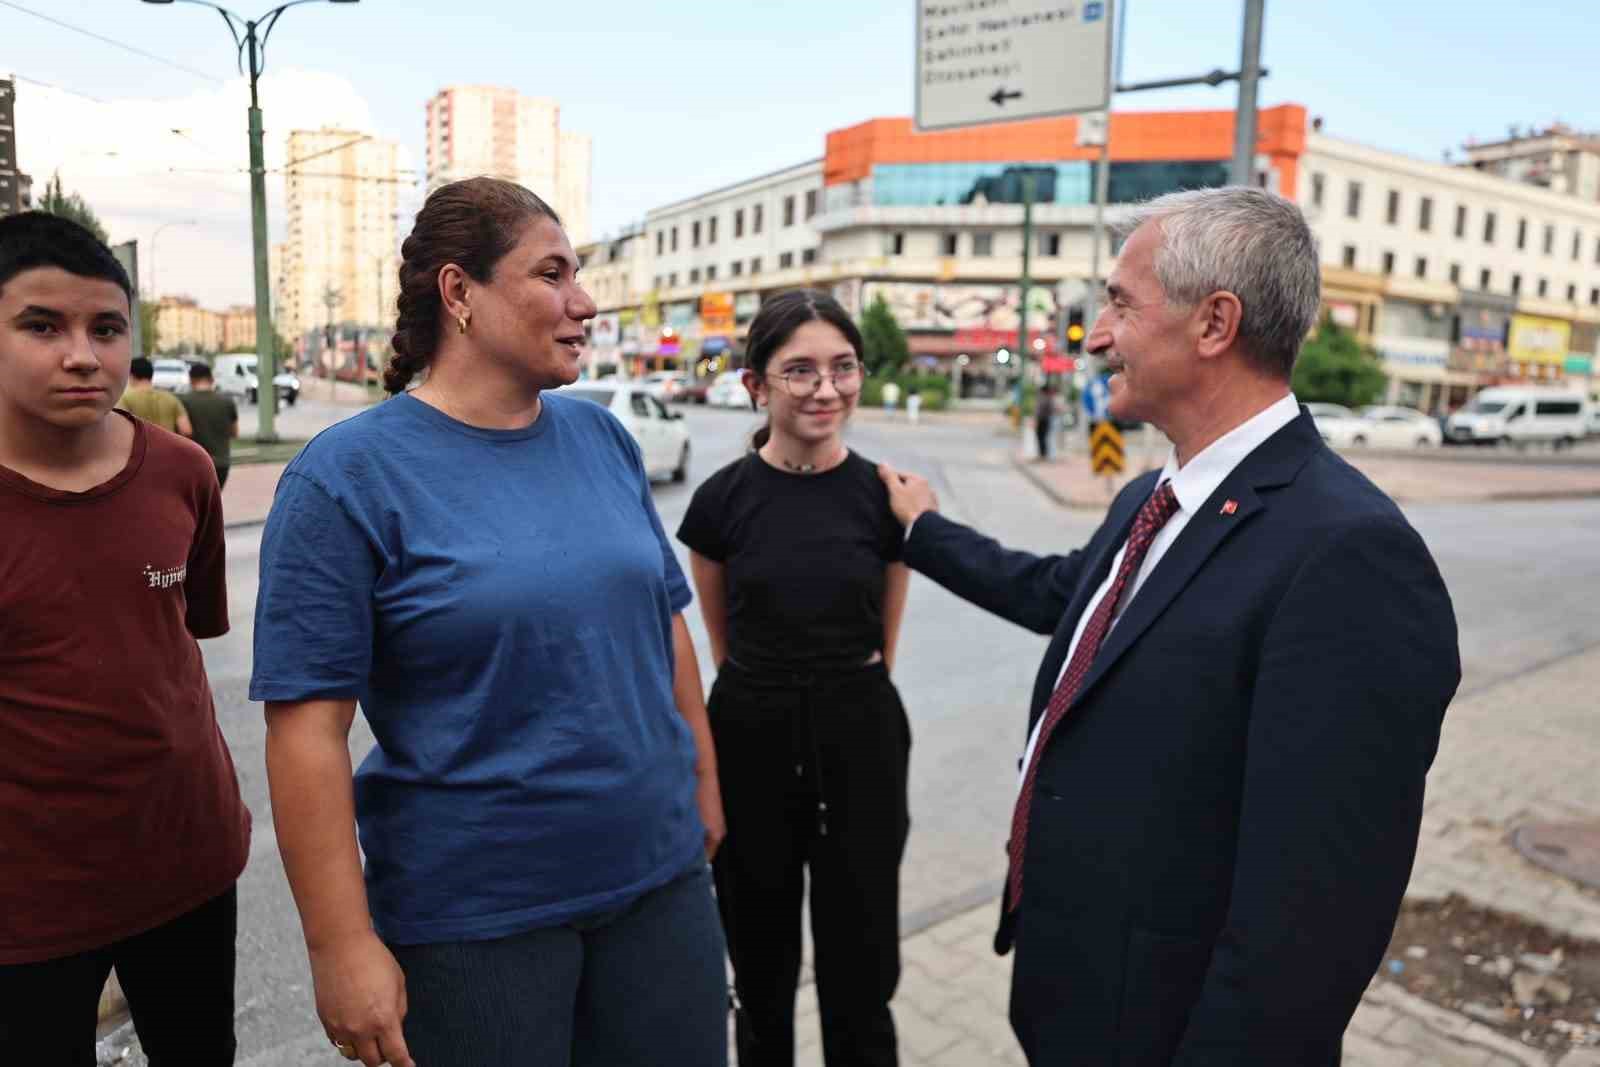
1558, 158
339, 259
480, 129
184, 326
15, 192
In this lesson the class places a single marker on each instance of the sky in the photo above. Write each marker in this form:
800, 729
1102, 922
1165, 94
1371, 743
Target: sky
680, 98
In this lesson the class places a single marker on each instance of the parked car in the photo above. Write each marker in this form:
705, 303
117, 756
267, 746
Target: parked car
1339, 426
1401, 427
171, 375
728, 391
235, 375
661, 434
664, 384
1522, 415
694, 392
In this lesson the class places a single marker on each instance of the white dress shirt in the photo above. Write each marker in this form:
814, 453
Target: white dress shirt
1192, 484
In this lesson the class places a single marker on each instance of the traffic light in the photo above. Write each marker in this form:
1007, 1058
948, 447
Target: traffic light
1075, 331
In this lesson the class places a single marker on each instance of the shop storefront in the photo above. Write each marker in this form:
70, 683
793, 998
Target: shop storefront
1538, 348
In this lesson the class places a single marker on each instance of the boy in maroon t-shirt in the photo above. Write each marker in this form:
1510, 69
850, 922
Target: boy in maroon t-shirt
122, 832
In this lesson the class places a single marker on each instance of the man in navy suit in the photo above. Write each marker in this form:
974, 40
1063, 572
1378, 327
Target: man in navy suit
1249, 667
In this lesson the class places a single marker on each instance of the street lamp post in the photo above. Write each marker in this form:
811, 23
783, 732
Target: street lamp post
252, 43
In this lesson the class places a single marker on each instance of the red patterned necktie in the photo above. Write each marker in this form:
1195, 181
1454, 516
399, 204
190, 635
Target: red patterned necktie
1151, 518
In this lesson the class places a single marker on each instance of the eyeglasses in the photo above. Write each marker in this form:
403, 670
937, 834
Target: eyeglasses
801, 382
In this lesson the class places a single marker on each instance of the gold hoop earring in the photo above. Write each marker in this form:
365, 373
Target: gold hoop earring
461, 323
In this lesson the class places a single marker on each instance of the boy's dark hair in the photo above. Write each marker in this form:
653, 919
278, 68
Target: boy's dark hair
199, 372
141, 368
36, 239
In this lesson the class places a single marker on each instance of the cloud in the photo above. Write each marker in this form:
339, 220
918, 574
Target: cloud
141, 163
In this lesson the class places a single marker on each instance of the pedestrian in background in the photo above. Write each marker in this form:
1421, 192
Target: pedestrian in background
153, 405
479, 564
891, 396
122, 832
1044, 413
213, 419
795, 554
914, 406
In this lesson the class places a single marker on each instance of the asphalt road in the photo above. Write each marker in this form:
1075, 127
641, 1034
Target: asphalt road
1524, 578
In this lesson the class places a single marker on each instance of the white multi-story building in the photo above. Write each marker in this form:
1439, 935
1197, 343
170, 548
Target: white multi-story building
339, 259
489, 130
1558, 158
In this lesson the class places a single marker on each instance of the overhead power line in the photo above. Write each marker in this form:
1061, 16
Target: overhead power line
110, 41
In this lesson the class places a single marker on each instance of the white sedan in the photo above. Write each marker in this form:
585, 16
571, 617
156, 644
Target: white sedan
1339, 426
1401, 427
728, 391
171, 375
663, 438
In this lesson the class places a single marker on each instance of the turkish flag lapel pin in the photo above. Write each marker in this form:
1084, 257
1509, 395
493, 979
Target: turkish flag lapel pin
1230, 506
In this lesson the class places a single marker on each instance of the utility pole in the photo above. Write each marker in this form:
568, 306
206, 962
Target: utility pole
1244, 120
1027, 280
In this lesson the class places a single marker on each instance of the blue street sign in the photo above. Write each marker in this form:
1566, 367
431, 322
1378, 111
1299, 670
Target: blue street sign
1097, 399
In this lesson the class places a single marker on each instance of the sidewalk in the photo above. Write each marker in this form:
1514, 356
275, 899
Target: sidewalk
247, 497
1422, 479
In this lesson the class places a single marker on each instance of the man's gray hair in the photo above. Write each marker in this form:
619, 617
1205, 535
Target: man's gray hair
1247, 242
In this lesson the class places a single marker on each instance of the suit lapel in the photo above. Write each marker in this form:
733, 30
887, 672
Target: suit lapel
1275, 463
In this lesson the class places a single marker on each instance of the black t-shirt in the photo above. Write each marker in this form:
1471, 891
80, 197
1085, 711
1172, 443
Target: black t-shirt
803, 558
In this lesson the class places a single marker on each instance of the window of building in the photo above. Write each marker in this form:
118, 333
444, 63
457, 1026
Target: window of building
1572, 293
694, 275
674, 238
711, 230
983, 244
1352, 200
897, 244
755, 264
947, 244
661, 240
1483, 279
788, 211
1393, 214
1522, 234
755, 217
1544, 287
785, 261
658, 281
1455, 274
1050, 244
1461, 220
1425, 214
1549, 240
738, 222
736, 268
1349, 260
694, 235
1388, 263
1577, 245
711, 273
1488, 227
811, 202
1516, 284
808, 256
1594, 297
1316, 190
672, 280
1422, 266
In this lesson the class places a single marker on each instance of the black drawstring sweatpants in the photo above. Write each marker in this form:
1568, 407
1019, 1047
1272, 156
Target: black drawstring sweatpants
813, 773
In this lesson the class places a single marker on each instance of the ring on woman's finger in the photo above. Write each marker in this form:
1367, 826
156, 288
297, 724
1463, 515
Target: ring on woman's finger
348, 1051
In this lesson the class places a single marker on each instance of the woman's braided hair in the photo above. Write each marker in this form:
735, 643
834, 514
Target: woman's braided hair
472, 224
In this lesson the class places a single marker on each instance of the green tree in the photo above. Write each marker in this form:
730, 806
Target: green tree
149, 327
71, 206
1334, 368
884, 346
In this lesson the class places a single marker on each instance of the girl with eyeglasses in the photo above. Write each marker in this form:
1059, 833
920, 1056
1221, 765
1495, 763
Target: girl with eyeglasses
795, 554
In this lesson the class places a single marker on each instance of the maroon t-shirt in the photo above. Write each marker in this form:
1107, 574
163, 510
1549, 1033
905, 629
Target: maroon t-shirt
119, 807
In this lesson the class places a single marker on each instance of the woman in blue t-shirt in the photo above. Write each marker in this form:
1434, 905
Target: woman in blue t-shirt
796, 558
478, 563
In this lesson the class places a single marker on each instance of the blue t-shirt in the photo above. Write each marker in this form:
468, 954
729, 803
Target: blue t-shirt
500, 603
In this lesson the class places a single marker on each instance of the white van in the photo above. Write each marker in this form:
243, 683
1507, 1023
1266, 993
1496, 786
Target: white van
1521, 415
235, 374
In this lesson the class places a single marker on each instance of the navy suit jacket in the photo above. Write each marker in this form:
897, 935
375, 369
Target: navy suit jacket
1224, 824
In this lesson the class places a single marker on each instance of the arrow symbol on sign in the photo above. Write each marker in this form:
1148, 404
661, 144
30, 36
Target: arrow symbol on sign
1001, 96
